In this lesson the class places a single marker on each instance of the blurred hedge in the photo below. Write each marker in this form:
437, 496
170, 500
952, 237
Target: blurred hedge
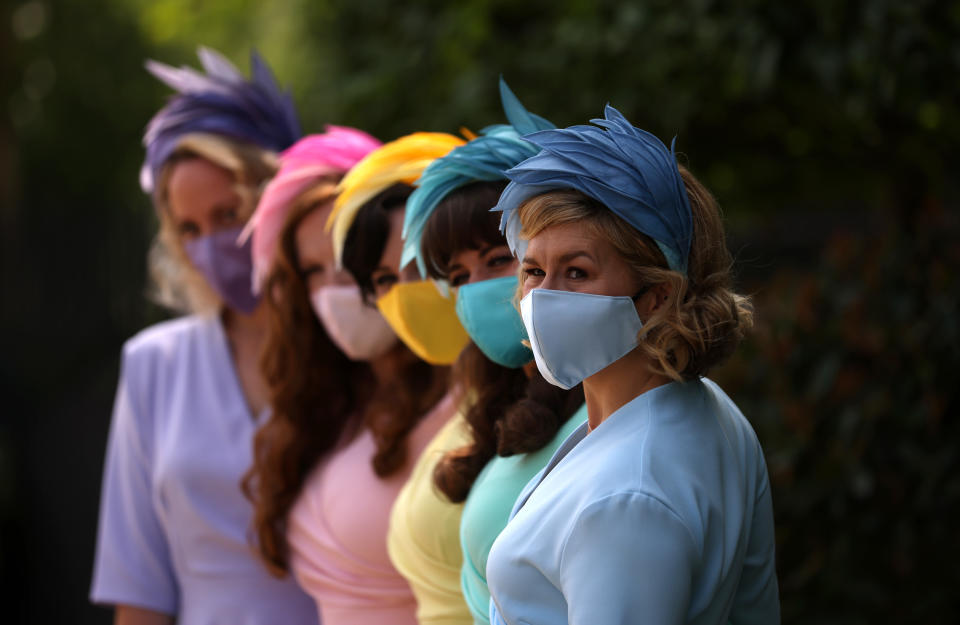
851, 381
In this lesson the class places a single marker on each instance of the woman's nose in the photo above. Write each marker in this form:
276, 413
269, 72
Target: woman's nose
550, 282
342, 278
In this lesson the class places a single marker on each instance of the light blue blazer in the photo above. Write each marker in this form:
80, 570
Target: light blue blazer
661, 515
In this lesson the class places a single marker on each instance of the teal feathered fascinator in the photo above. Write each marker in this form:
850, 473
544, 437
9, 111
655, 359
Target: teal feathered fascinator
484, 158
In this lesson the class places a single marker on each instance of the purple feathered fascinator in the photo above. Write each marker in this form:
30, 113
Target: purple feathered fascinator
628, 170
220, 102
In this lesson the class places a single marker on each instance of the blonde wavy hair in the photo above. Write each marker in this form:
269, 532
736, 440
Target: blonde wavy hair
175, 284
704, 320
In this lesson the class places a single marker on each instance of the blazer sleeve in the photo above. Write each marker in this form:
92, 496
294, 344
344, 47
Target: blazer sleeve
628, 559
757, 601
132, 563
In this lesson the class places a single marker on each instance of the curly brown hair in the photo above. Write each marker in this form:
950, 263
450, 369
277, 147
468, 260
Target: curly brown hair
316, 393
319, 397
705, 319
510, 412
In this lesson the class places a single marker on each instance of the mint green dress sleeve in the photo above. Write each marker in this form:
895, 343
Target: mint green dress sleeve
487, 510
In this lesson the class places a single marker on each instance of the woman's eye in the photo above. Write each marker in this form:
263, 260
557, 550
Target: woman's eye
576, 274
385, 280
310, 270
499, 261
228, 216
534, 272
188, 230
459, 279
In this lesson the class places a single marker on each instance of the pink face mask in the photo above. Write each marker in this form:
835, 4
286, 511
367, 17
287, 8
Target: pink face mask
360, 331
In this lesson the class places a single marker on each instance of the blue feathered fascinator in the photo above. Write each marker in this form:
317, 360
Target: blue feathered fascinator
628, 170
484, 158
220, 102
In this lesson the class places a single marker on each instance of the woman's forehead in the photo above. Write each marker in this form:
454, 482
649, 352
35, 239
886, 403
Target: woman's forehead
561, 238
196, 183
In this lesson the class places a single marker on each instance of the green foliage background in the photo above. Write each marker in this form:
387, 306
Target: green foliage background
829, 131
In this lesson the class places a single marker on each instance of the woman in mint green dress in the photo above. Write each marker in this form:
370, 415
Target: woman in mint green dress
516, 418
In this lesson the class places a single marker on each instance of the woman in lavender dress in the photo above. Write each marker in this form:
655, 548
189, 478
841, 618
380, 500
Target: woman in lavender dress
172, 542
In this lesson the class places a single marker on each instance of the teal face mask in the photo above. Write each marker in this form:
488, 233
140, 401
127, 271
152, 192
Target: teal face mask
487, 313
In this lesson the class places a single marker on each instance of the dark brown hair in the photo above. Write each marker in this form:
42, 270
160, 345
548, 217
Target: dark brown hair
705, 319
316, 393
369, 232
510, 413
416, 386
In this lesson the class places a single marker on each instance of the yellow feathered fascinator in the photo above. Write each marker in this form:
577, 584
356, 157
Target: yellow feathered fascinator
400, 161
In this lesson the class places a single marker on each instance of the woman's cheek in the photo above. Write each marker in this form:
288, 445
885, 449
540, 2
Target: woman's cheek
528, 284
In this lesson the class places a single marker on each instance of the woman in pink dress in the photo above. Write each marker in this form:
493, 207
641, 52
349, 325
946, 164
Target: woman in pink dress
352, 406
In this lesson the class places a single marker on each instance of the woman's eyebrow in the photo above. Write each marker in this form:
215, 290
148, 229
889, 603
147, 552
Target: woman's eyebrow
226, 205
489, 248
566, 258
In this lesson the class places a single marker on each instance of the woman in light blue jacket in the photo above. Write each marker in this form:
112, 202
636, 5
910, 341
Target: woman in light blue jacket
657, 510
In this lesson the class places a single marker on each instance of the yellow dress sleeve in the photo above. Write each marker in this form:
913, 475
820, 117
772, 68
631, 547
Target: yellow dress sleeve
424, 535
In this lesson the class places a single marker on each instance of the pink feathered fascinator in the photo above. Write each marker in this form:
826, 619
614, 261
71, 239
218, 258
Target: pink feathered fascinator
316, 156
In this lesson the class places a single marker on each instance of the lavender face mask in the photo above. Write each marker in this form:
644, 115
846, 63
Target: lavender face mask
226, 266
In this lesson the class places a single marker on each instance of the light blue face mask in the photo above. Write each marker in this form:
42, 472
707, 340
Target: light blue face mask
487, 313
575, 335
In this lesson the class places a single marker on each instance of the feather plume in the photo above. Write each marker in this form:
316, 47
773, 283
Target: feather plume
399, 161
484, 158
304, 163
628, 170
219, 101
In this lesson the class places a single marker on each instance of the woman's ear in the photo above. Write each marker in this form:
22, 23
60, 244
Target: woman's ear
653, 300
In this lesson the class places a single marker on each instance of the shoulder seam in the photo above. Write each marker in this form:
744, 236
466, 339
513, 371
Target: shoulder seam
628, 493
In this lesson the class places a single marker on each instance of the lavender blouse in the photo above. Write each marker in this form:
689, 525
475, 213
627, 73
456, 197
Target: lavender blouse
173, 521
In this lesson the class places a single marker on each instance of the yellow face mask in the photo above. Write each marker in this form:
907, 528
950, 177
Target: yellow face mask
425, 321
